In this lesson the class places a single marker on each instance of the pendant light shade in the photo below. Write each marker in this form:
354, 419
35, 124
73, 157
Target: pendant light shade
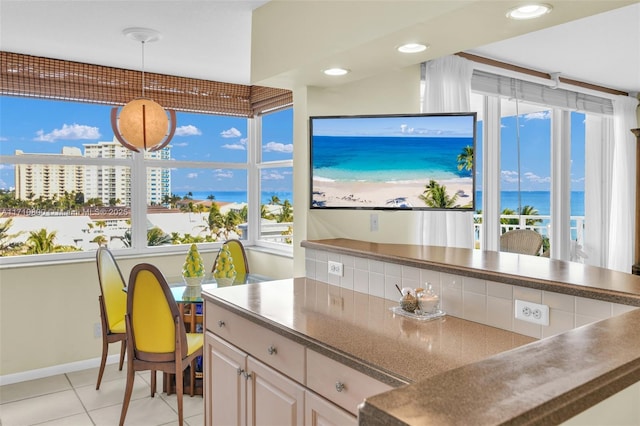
143, 123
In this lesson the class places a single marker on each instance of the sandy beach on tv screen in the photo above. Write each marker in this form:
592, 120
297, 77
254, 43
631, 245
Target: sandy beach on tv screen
368, 194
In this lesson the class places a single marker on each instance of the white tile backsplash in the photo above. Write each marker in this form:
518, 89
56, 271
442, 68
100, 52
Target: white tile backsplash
486, 302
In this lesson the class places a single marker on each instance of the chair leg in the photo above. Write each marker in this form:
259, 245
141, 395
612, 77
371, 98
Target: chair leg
127, 393
103, 362
123, 350
153, 383
179, 393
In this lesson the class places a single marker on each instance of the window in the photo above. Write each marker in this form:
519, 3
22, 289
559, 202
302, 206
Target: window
275, 163
67, 186
543, 120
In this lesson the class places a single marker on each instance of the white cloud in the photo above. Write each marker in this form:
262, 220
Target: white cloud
406, 129
540, 115
192, 175
189, 130
68, 132
231, 133
509, 176
532, 177
3, 139
219, 173
272, 175
180, 144
235, 146
278, 147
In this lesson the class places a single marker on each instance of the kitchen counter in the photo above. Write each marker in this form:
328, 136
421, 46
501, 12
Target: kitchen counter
525, 271
544, 382
362, 332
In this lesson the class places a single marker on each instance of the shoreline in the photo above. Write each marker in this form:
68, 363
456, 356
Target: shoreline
369, 194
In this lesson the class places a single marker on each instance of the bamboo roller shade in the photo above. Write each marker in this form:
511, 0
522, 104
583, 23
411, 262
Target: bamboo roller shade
33, 76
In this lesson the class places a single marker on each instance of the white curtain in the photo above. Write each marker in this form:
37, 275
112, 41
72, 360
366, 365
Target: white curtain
448, 89
597, 188
621, 227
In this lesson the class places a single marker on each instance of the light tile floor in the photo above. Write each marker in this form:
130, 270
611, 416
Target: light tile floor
72, 400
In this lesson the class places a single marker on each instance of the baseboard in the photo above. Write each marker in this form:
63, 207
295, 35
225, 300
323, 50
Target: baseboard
55, 370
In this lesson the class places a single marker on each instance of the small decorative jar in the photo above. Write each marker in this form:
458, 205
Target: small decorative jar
428, 301
408, 302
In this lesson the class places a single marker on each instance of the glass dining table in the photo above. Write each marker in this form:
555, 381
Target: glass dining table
189, 299
193, 294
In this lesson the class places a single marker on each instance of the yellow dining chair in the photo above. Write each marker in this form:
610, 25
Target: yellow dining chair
113, 306
239, 257
156, 336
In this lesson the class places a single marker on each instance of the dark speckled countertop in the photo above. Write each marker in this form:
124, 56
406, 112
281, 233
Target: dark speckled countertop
362, 332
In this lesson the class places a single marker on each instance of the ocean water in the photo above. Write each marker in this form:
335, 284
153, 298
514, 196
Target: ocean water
541, 200
237, 196
387, 159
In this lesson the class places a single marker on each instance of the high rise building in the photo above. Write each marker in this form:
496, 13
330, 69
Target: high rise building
49, 180
110, 184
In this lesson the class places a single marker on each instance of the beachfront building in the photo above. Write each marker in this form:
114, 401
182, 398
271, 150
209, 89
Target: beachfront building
113, 183
33, 181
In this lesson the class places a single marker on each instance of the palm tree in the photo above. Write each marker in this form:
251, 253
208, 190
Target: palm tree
286, 213
41, 241
435, 195
531, 211
275, 200
157, 237
465, 158
5, 238
100, 240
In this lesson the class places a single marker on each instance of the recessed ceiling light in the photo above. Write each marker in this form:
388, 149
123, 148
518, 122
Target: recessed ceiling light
529, 11
413, 48
336, 71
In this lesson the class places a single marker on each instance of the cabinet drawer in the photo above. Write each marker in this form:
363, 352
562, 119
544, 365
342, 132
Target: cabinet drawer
340, 384
273, 349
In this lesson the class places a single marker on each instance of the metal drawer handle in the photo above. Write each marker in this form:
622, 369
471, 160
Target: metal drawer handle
339, 386
272, 350
239, 371
221, 323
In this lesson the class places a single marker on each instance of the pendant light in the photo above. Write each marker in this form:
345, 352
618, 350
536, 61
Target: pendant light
143, 123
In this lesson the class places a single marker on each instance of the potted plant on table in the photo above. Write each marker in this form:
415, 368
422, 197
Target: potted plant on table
193, 268
225, 272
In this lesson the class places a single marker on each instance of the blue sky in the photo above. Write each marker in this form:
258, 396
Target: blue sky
535, 152
37, 126
440, 126
42, 126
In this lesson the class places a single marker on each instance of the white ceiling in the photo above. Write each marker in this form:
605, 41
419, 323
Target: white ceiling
211, 39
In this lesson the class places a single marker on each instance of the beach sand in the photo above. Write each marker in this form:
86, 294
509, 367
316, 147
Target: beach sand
368, 194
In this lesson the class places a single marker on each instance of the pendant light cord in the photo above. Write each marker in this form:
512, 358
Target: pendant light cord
142, 68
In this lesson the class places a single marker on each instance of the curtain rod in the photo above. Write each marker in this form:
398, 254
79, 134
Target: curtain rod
539, 74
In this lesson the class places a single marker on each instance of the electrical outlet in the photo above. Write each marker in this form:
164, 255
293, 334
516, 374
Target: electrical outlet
373, 222
97, 330
335, 268
532, 312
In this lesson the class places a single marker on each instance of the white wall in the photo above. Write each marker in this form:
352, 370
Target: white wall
48, 312
396, 92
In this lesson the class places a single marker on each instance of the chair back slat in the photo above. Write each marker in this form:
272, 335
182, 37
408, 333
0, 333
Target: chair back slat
111, 286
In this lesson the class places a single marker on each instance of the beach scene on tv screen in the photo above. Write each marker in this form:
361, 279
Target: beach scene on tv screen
393, 162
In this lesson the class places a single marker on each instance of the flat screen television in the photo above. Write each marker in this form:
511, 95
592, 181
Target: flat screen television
393, 162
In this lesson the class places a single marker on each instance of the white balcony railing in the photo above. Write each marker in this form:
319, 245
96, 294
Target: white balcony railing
538, 223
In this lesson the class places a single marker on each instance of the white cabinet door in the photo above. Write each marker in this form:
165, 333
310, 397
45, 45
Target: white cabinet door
320, 412
272, 398
225, 367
